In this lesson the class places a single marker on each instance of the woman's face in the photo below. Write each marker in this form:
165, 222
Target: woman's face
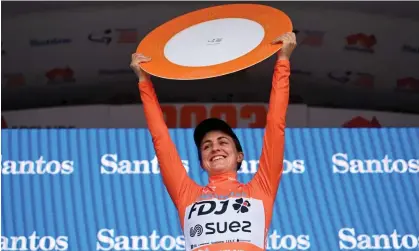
219, 154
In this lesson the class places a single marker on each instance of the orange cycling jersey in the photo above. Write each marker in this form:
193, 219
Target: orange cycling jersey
225, 214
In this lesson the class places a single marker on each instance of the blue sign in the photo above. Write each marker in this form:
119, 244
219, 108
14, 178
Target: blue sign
100, 189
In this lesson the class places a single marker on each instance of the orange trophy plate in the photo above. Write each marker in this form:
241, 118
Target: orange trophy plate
214, 41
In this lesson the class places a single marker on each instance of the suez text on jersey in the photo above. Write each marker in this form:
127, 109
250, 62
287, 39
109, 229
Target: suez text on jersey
111, 164
238, 218
39, 166
217, 208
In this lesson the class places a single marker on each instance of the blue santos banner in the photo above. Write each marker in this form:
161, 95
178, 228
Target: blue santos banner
100, 189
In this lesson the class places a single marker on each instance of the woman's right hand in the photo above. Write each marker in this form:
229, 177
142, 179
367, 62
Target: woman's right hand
136, 59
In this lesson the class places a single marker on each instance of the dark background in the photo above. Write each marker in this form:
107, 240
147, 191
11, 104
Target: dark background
246, 86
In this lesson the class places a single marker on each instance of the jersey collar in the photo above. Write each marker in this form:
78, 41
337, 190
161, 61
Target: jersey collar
222, 178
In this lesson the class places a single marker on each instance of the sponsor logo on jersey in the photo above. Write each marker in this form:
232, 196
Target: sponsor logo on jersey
240, 206
223, 221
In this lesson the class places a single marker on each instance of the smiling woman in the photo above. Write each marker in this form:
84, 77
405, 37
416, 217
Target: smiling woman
219, 147
241, 219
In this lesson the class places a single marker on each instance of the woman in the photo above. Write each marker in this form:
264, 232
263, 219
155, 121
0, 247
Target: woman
225, 214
